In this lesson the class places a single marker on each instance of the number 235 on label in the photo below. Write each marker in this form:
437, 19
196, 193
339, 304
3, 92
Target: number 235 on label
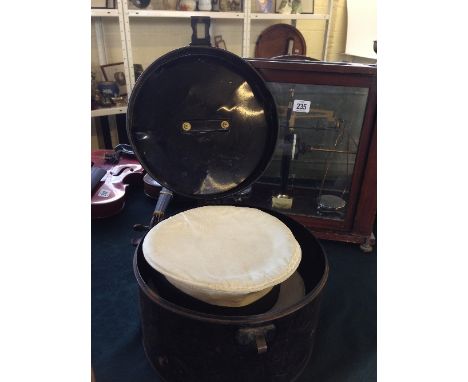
301, 106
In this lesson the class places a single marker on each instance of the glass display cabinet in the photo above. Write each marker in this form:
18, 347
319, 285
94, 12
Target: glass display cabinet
323, 172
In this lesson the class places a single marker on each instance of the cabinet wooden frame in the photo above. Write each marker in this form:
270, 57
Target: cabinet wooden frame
358, 223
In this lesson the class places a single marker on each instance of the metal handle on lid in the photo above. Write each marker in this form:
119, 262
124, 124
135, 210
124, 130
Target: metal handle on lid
197, 22
205, 126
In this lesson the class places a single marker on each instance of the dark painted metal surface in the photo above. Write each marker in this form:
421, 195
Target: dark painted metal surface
166, 122
187, 346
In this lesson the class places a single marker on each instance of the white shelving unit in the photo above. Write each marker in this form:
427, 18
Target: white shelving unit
104, 13
96, 17
125, 14
186, 15
108, 111
278, 16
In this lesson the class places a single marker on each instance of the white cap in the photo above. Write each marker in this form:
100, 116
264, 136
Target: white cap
223, 255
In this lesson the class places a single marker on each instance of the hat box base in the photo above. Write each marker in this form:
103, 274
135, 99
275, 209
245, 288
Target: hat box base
184, 345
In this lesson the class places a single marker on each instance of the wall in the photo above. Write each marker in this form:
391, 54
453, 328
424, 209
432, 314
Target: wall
314, 31
152, 38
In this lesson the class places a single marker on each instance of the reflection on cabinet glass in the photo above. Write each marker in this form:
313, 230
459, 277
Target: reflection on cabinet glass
314, 159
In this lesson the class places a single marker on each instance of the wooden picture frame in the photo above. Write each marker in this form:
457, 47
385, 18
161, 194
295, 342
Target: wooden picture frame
116, 73
306, 6
219, 42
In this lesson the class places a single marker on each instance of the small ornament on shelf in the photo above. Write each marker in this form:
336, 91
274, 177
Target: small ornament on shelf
107, 91
264, 6
204, 5
231, 5
236, 5
284, 7
187, 5
296, 6
120, 101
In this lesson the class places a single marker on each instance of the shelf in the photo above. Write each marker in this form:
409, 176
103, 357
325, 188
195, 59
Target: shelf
281, 16
185, 14
108, 111
225, 15
104, 13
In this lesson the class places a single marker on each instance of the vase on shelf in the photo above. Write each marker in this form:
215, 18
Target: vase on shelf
187, 5
204, 5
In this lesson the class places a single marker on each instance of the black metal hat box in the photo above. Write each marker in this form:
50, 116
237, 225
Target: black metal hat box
203, 124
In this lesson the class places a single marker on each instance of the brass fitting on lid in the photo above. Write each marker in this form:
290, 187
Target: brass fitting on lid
224, 124
186, 126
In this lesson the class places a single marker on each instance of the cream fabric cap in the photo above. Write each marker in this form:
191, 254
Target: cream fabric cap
223, 255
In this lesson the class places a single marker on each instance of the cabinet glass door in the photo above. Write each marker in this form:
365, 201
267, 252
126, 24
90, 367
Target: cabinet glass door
312, 168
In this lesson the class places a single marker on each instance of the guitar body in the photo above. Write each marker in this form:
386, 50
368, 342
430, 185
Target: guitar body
108, 197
